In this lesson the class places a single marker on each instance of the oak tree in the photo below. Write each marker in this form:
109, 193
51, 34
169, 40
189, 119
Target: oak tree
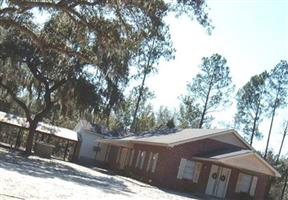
102, 36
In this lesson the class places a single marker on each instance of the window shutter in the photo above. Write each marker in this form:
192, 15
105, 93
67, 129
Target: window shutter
131, 158
108, 153
149, 161
197, 171
181, 168
118, 155
239, 182
253, 186
124, 157
138, 158
142, 159
155, 159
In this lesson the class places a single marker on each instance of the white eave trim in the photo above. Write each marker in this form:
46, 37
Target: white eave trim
215, 160
277, 174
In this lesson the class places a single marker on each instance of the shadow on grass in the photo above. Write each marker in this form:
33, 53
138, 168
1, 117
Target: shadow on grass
183, 194
45, 169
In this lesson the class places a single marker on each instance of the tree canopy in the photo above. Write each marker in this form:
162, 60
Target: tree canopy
251, 106
211, 87
278, 85
83, 45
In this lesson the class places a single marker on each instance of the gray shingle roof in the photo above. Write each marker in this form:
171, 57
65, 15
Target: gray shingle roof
171, 137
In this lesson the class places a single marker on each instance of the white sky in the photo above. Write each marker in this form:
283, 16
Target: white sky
251, 34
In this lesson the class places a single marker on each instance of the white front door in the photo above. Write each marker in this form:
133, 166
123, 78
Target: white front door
218, 181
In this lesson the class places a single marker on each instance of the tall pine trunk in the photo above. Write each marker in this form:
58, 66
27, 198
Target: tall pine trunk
133, 124
254, 125
271, 124
148, 65
282, 142
205, 106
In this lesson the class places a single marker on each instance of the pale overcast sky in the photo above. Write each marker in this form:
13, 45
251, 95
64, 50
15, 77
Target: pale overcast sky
251, 34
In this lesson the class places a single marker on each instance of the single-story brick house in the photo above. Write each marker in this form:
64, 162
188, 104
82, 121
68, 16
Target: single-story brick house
209, 162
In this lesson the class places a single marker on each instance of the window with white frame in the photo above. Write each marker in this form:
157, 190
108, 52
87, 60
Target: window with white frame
152, 162
246, 183
140, 159
189, 170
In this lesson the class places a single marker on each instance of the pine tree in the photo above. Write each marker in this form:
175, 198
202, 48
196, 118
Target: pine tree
211, 87
251, 106
278, 83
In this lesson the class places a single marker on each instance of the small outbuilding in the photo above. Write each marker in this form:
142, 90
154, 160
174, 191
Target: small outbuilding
69, 136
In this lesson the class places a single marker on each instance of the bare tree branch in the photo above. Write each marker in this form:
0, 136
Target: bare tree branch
17, 100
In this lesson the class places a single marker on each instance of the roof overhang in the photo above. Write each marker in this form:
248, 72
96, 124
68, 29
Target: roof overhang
123, 141
245, 160
173, 144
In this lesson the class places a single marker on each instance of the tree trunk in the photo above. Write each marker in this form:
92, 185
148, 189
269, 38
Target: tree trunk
271, 124
18, 139
29, 143
148, 64
254, 125
138, 102
282, 142
205, 107
108, 120
66, 150
285, 185
107, 115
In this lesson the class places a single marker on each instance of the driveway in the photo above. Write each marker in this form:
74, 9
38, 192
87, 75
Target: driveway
38, 178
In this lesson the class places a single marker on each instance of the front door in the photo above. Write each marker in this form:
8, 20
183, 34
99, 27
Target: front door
218, 181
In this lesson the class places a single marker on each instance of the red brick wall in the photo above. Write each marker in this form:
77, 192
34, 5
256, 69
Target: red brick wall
169, 158
168, 163
261, 188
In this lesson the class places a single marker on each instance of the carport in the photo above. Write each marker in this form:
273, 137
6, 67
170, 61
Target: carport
44, 129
